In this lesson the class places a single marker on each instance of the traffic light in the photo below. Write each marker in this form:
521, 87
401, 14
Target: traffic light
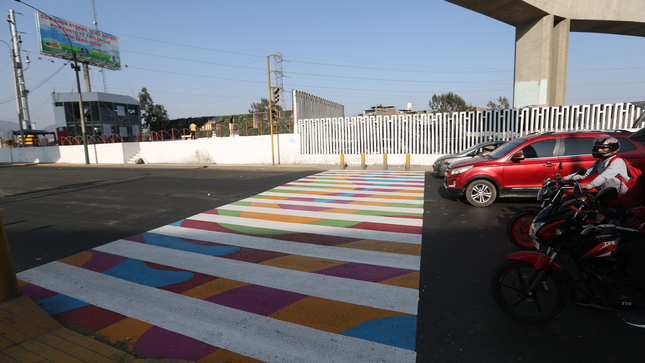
276, 95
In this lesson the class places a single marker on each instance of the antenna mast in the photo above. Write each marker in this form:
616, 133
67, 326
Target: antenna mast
96, 26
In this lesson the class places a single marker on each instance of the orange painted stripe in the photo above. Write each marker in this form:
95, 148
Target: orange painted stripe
279, 217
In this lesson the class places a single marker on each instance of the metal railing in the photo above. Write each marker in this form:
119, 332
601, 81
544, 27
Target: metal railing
448, 133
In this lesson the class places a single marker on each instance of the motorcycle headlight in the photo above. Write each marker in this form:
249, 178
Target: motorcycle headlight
535, 226
461, 169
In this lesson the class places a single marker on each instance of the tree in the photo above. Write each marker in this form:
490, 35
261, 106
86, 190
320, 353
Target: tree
502, 105
449, 102
154, 117
262, 106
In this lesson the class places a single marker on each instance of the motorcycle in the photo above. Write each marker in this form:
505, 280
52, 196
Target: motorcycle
554, 192
535, 287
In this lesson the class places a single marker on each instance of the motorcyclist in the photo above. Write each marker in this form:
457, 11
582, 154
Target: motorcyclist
608, 166
632, 252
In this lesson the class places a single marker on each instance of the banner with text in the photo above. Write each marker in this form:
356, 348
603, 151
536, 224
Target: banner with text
64, 39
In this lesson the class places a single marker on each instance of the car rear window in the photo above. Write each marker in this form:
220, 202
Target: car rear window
626, 145
578, 146
582, 145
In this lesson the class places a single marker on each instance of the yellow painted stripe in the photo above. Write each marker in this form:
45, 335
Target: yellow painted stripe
212, 288
126, 330
384, 246
329, 315
301, 263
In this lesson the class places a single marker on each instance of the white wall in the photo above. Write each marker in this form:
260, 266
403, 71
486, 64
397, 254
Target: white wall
228, 150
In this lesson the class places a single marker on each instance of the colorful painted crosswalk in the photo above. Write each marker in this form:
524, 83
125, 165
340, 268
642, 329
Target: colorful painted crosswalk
322, 269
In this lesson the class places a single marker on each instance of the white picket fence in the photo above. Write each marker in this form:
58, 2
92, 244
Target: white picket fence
449, 133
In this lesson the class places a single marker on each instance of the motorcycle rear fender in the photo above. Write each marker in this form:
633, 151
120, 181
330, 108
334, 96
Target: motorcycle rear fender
535, 258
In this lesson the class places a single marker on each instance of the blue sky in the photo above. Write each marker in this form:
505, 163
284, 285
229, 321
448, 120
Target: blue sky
202, 58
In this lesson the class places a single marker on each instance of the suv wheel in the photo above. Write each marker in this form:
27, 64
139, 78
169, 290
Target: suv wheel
481, 193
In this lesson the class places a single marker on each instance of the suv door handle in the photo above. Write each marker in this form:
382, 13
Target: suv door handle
548, 165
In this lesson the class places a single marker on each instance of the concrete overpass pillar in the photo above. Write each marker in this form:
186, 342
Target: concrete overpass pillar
541, 53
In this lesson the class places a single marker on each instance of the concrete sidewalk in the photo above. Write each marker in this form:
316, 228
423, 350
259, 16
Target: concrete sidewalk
28, 334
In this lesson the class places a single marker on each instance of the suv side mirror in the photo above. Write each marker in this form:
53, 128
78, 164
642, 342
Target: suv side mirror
518, 156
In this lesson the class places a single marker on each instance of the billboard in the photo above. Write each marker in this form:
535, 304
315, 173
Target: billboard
63, 39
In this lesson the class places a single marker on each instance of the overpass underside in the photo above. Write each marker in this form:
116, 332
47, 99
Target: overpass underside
542, 30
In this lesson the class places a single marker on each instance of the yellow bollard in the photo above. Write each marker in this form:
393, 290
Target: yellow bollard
363, 166
342, 162
385, 161
8, 281
407, 162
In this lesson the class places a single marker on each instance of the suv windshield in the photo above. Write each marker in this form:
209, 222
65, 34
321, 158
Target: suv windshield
505, 149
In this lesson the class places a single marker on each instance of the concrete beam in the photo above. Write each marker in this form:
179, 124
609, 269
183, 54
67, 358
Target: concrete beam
542, 38
623, 17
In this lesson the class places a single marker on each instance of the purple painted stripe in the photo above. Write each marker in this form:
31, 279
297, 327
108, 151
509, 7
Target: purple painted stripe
101, 261
159, 342
256, 299
37, 293
363, 272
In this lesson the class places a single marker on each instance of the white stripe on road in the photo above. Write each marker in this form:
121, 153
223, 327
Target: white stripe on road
415, 209
372, 194
252, 335
311, 228
339, 197
395, 260
369, 188
375, 295
326, 215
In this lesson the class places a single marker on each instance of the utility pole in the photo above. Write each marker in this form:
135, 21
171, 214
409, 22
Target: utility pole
21, 90
270, 109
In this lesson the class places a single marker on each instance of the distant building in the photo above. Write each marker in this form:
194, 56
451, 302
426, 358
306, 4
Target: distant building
381, 110
105, 114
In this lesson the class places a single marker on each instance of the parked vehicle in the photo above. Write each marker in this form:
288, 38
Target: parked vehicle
441, 164
518, 167
534, 286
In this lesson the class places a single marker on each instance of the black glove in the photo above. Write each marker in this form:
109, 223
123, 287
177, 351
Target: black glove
618, 213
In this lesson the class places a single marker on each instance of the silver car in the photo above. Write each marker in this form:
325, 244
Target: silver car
441, 164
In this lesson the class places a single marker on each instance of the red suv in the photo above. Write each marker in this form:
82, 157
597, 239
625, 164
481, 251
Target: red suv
517, 168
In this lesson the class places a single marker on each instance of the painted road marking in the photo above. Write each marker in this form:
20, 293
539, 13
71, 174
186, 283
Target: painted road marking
322, 269
329, 203
312, 228
269, 340
297, 248
345, 196
325, 215
329, 287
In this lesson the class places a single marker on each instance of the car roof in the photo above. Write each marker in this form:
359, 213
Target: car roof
577, 132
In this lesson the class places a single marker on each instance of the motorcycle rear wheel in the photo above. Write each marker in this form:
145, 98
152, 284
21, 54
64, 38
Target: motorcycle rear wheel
518, 228
509, 286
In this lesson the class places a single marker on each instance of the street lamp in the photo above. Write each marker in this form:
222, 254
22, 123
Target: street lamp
76, 68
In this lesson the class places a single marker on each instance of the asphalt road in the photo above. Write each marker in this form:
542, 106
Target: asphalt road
51, 212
